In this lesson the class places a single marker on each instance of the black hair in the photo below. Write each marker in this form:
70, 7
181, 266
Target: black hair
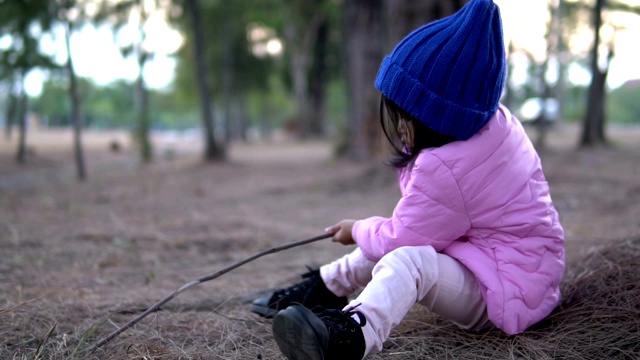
423, 136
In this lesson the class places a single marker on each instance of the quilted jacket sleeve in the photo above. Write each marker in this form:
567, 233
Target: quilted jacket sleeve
430, 212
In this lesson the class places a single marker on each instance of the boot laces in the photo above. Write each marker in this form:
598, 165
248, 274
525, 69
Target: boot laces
341, 324
298, 290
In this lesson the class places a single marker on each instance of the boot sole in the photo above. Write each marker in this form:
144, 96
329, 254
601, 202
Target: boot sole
296, 336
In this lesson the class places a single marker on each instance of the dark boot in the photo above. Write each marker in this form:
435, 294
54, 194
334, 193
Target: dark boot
310, 292
329, 334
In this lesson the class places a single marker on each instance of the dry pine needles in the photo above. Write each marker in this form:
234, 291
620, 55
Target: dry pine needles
598, 318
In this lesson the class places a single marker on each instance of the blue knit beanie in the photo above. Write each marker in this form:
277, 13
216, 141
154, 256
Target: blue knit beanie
449, 74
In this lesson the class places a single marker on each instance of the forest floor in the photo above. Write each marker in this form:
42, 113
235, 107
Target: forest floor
90, 255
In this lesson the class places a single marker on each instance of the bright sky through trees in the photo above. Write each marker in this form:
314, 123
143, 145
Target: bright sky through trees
524, 21
96, 54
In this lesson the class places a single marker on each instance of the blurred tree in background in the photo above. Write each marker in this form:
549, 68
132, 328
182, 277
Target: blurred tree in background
136, 14
305, 68
71, 15
212, 150
24, 22
602, 52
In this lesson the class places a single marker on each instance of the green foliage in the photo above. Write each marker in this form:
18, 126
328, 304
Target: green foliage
24, 22
110, 106
336, 103
53, 103
227, 23
222, 19
271, 108
574, 103
262, 82
623, 105
623, 6
167, 112
104, 107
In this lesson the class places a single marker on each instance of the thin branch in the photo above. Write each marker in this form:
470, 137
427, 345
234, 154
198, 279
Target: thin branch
208, 277
16, 307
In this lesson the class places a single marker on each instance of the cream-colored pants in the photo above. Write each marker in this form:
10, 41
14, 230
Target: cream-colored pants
403, 277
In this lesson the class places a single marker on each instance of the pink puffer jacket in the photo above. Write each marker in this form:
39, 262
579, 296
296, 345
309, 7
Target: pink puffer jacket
484, 202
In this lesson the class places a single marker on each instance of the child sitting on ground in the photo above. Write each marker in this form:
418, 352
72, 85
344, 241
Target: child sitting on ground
474, 238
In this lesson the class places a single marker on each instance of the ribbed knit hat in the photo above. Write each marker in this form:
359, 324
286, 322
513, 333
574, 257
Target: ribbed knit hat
449, 74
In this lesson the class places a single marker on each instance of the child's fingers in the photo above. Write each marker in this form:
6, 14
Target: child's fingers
331, 229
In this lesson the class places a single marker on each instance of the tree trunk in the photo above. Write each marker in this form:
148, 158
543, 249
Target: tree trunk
142, 100
76, 111
12, 109
300, 59
367, 39
593, 123
240, 113
212, 151
364, 52
542, 122
227, 72
301, 40
407, 15
299, 67
263, 119
561, 86
319, 81
553, 41
22, 127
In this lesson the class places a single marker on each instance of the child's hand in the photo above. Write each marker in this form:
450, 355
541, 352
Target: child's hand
342, 232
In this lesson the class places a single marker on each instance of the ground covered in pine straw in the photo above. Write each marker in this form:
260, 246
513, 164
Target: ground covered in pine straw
79, 260
598, 318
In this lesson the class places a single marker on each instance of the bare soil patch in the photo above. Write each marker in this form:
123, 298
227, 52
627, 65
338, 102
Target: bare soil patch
86, 256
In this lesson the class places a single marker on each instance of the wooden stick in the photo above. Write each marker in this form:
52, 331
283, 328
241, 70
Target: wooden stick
208, 277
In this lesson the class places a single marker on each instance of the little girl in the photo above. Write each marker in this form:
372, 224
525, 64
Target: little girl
475, 237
